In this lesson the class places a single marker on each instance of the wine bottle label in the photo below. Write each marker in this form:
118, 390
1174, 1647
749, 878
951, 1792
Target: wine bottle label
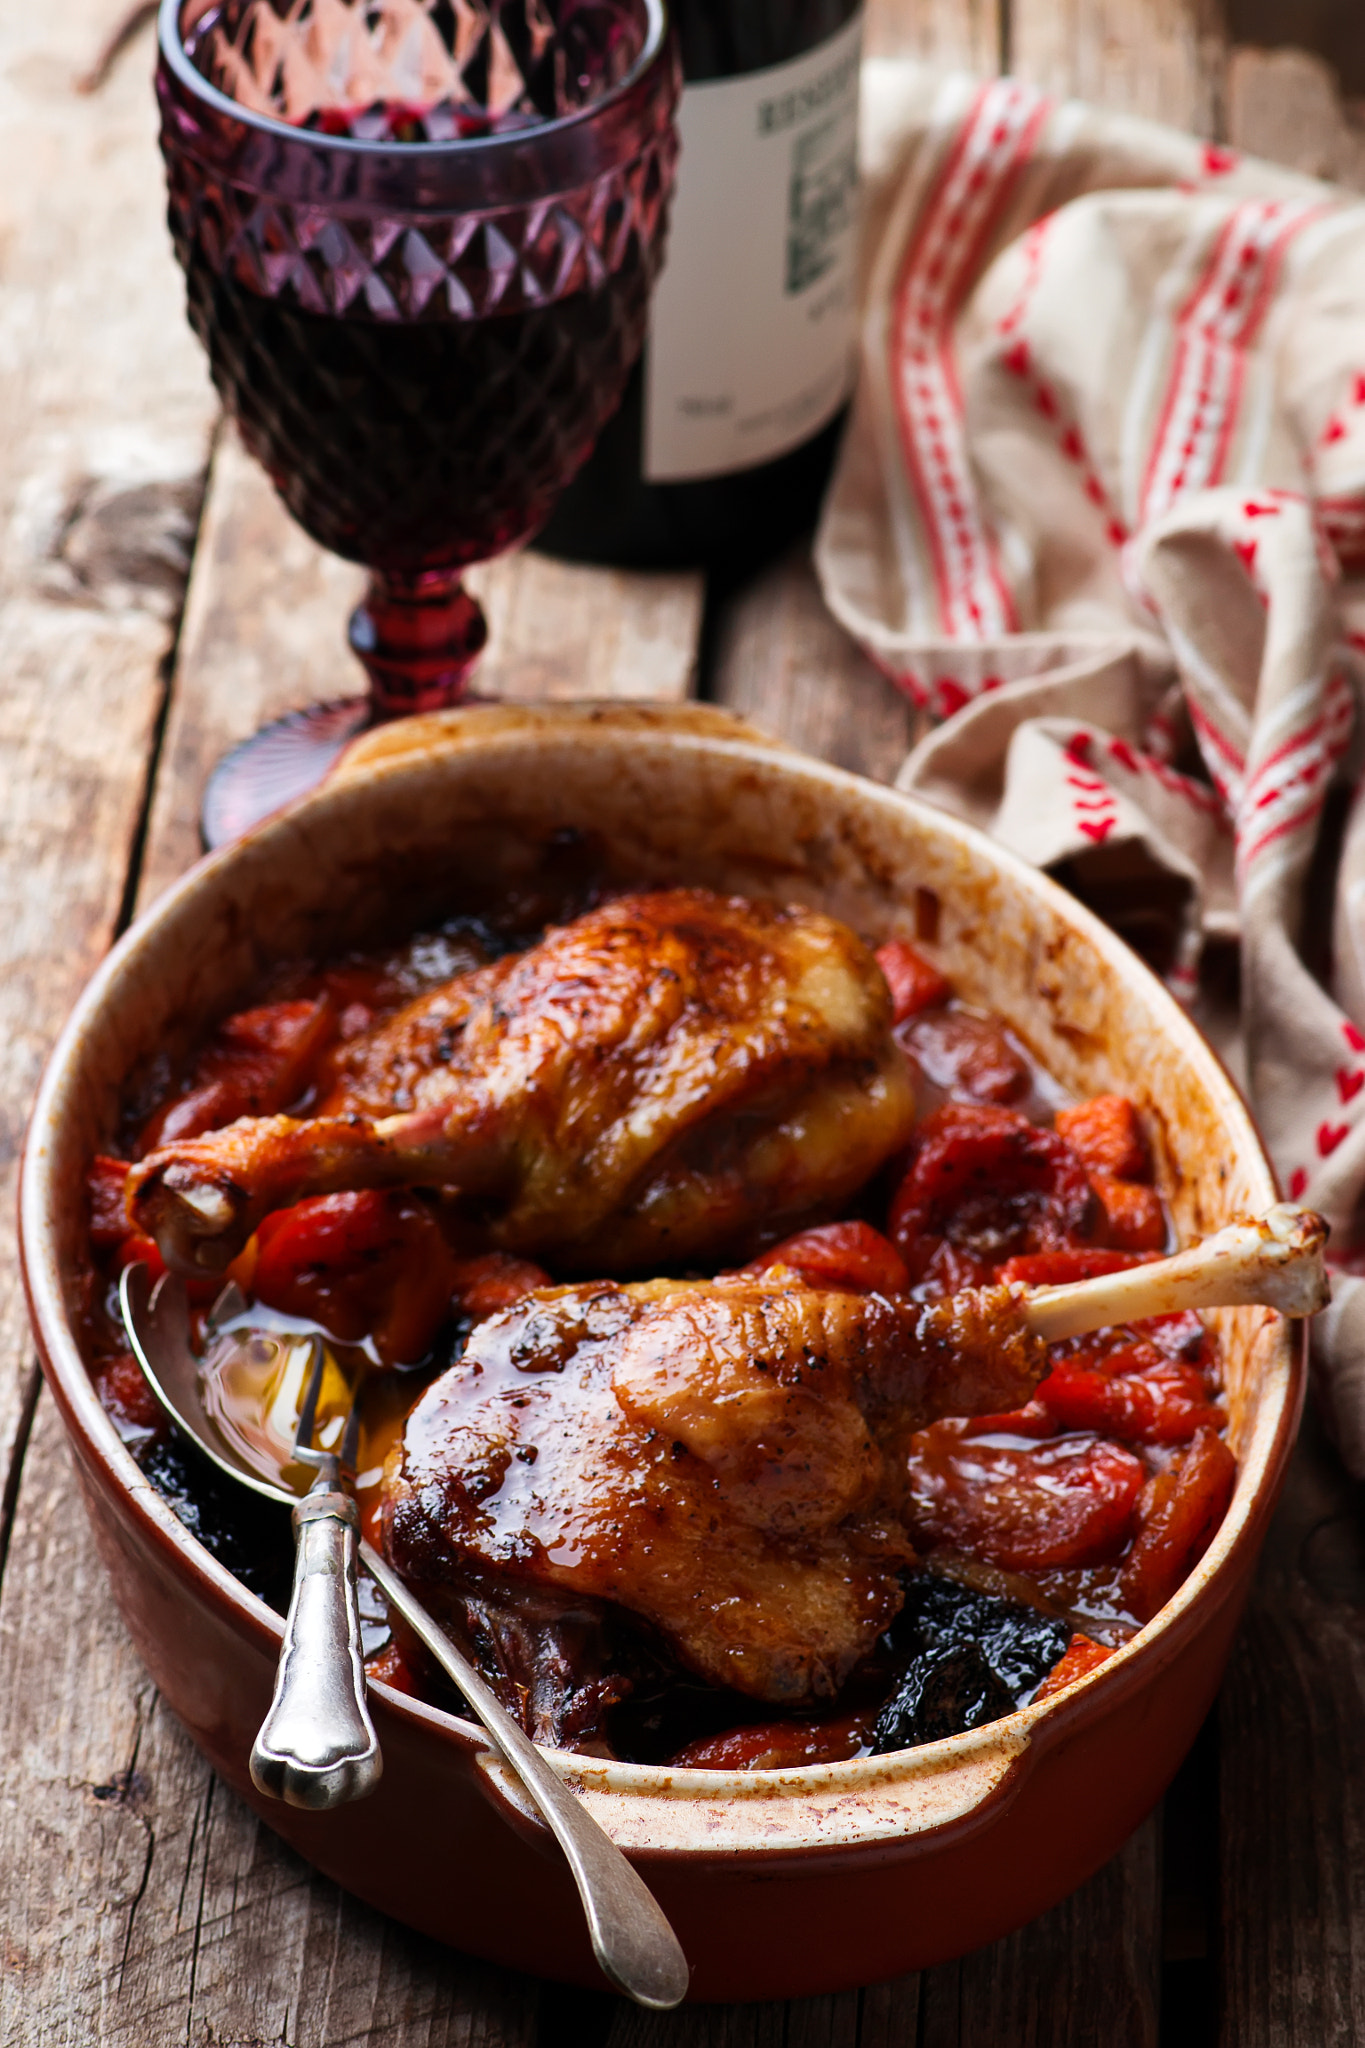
751, 330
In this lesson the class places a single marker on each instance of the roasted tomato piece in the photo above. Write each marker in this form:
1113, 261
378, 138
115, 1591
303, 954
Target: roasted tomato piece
1178, 1516
104, 1185
1179, 1335
395, 1665
986, 1185
125, 1395
779, 1745
494, 1280
368, 1263
1059, 1269
915, 983
1080, 1656
1105, 1132
1031, 1508
1118, 1384
840, 1255
1135, 1394
256, 1064
966, 1055
1134, 1220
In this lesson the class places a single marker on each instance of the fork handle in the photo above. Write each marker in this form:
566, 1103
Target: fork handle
317, 1746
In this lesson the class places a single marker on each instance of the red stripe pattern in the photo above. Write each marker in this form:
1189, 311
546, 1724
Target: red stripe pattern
1215, 328
972, 188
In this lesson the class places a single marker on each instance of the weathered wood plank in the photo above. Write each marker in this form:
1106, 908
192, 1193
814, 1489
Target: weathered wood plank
955, 34
101, 453
1161, 58
783, 661
1087, 1973
1292, 1791
800, 2023
557, 629
1286, 105
265, 632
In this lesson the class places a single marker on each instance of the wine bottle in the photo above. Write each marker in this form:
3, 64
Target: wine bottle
725, 436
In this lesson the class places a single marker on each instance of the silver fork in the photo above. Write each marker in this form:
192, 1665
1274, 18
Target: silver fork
317, 1746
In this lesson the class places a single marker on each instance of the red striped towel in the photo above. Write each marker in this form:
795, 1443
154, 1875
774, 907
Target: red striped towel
1101, 513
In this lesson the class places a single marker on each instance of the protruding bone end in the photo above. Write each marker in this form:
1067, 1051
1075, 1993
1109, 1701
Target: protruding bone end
1296, 1280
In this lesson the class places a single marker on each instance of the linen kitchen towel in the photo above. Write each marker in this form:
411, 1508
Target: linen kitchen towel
1101, 512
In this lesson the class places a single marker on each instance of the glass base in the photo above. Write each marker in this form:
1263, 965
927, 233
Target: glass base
282, 761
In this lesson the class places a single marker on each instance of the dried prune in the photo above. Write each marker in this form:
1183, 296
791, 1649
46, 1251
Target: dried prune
249, 1536
966, 1658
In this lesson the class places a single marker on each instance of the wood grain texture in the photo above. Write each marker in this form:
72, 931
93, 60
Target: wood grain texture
956, 34
1293, 1788
781, 660
1161, 58
103, 438
1287, 105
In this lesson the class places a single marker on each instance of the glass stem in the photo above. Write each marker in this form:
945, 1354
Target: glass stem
419, 637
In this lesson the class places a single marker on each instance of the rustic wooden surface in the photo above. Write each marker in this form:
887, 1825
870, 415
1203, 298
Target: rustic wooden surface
140, 1904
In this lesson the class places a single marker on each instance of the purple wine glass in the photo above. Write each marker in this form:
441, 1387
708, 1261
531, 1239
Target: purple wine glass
419, 238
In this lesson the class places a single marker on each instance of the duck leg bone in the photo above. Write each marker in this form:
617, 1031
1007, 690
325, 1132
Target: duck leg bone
1274, 1260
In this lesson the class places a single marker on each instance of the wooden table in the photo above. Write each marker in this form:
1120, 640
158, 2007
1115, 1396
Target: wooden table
141, 1903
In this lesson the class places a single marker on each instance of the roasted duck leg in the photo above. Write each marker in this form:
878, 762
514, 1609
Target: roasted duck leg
649, 1084
725, 1460
709, 1455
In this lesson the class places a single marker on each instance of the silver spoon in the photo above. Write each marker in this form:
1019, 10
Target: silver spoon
634, 1945
317, 1746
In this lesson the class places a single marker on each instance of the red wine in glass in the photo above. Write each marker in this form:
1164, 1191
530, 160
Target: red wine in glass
418, 246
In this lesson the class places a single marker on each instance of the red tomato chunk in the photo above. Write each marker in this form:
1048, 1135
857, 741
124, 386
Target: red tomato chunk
1031, 1508
105, 1185
915, 983
1080, 1657
258, 1063
1133, 1217
967, 1055
779, 1745
126, 1395
1059, 1269
1138, 1396
367, 1263
1106, 1134
842, 1255
986, 1185
1178, 1517
481, 1286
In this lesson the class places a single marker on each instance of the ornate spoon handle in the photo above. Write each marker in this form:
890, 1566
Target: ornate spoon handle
317, 1745
631, 1939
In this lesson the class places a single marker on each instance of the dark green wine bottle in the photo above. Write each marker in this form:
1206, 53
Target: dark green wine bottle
724, 439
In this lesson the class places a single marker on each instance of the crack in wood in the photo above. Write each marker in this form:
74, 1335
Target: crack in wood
131, 1789
23, 1430
199, 1912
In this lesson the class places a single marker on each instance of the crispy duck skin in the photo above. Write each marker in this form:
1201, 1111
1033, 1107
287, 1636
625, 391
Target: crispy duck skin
717, 1458
651, 1084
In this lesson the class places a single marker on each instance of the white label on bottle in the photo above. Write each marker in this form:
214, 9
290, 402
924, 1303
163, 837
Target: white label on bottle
751, 330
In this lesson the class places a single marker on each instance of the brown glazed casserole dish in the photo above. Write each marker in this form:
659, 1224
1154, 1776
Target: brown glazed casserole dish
779, 1883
